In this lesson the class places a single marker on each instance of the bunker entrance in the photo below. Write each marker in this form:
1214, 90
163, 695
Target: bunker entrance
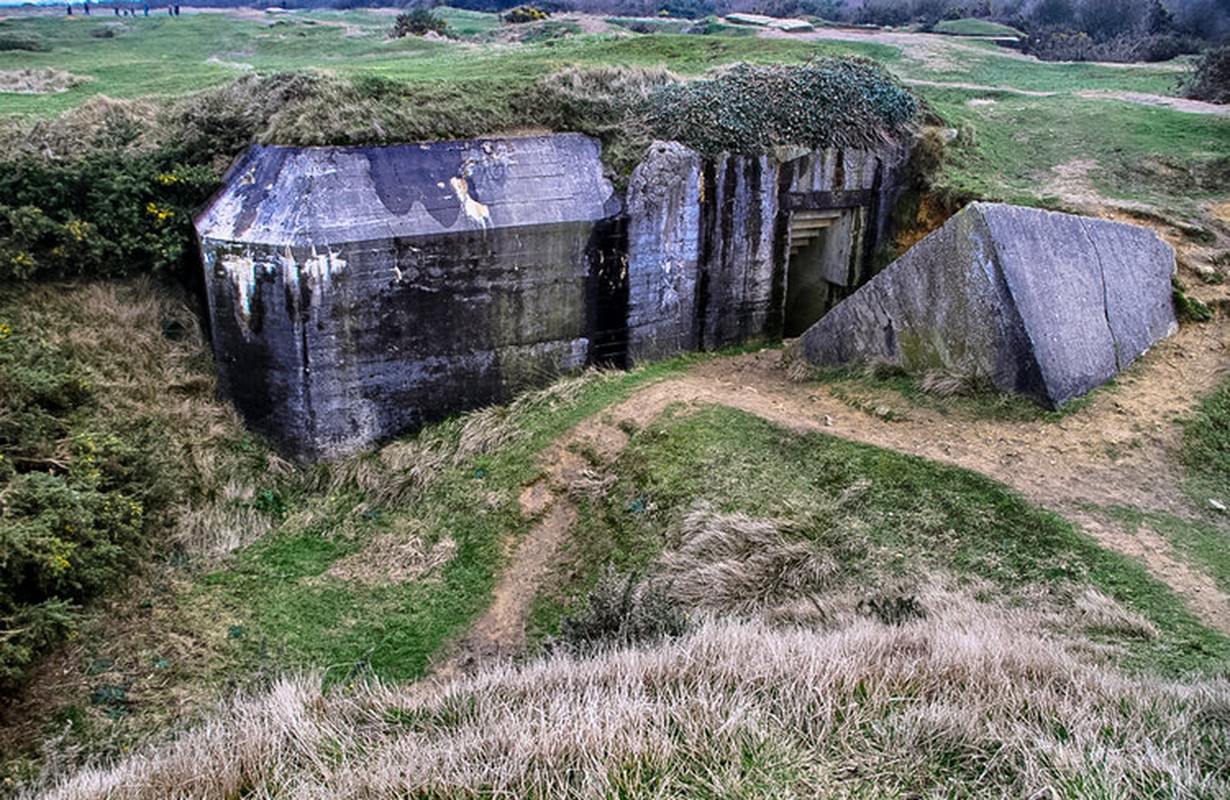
824, 248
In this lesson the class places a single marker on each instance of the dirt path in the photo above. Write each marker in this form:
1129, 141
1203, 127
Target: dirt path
1174, 103
976, 87
1117, 450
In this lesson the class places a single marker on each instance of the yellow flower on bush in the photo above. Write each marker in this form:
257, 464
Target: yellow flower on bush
167, 178
77, 229
163, 214
5, 330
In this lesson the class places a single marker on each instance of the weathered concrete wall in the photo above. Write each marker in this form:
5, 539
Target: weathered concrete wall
709, 239
359, 292
1049, 305
664, 205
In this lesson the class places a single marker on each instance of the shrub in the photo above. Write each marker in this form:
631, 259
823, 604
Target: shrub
71, 504
622, 611
1210, 81
522, 14
101, 216
9, 41
751, 109
418, 22
1066, 44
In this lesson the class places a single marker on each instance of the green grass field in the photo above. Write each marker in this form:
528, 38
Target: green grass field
1010, 148
165, 56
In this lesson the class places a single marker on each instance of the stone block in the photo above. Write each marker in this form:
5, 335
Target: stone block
1046, 304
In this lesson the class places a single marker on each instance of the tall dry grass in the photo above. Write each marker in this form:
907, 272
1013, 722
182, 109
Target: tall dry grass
397, 475
974, 701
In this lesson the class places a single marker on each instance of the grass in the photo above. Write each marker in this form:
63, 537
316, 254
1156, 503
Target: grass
1014, 150
1201, 543
172, 56
1012, 685
1206, 447
282, 593
971, 26
465, 23
971, 701
985, 64
884, 519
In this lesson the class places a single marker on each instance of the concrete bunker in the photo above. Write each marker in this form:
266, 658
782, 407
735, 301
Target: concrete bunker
357, 293
1044, 304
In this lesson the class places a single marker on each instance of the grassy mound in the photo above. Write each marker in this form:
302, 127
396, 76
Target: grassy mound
971, 26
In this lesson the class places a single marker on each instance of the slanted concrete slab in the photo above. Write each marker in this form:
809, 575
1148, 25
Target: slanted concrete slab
1049, 305
786, 24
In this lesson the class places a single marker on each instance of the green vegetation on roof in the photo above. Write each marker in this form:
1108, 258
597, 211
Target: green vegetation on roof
748, 109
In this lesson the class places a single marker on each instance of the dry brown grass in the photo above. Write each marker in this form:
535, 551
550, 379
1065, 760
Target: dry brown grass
99, 124
39, 81
974, 701
955, 383
394, 558
733, 563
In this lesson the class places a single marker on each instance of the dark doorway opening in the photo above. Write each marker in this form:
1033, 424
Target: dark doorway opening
819, 273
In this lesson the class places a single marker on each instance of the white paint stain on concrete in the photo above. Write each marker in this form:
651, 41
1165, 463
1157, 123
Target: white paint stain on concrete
242, 271
475, 211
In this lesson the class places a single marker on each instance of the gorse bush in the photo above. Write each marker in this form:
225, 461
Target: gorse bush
114, 449
101, 216
750, 109
418, 22
522, 14
69, 515
1210, 81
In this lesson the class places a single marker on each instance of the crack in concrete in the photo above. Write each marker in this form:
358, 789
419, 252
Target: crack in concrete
1110, 328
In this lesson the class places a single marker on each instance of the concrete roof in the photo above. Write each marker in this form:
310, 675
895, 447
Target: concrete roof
321, 195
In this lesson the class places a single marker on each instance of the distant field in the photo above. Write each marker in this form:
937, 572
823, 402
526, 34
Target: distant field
159, 55
170, 56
